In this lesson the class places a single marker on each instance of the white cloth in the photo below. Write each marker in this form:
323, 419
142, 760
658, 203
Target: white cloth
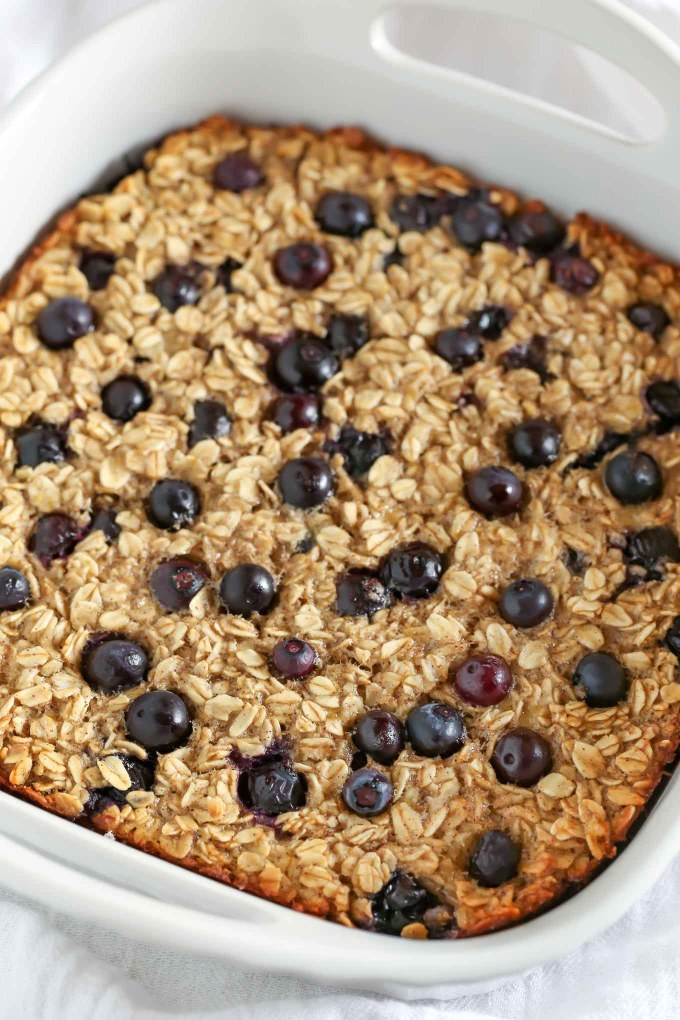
55, 968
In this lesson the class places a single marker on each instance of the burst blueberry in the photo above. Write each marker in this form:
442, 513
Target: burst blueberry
361, 593
177, 581
272, 789
297, 411
211, 421
347, 334
573, 273
40, 443
54, 537
359, 450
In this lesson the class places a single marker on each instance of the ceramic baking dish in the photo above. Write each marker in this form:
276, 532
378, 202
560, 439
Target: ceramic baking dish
327, 62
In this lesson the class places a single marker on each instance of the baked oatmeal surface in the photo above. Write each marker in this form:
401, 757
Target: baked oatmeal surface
566, 352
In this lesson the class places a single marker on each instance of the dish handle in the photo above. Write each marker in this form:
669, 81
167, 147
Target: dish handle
606, 27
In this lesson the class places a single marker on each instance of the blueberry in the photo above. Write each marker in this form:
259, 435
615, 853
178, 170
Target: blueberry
224, 272
359, 450
415, 212
521, 757
361, 593
111, 663
535, 443
489, 322
172, 504
494, 859
530, 356
97, 267
649, 318
664, 399
537, 230
15, 590
494, 491
341, 212
141, 775
104, 519
237, 172
482, 680
211, 421
247, 589
158, 721
526, 603
303, 364
475, 220
671, 640
177, 286
297, 411
367, 792
303, 265
458, 347
347, 334
633, 477
40, 443
177, 581
272, 789
412, 570
380, 735
125, 397
435, 730
572, 273
602, 679
54, 537
401, 901
293, 658
306, 482
651, 546
63, 321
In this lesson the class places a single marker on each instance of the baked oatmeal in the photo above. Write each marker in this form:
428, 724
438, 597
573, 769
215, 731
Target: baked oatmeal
339, 528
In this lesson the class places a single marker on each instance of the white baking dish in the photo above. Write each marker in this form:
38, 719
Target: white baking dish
325, 62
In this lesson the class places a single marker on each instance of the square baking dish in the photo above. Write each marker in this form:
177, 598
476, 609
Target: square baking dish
323, 63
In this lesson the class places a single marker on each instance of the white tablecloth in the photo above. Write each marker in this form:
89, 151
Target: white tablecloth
54, 968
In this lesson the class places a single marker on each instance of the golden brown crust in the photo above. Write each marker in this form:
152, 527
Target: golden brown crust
606, 765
